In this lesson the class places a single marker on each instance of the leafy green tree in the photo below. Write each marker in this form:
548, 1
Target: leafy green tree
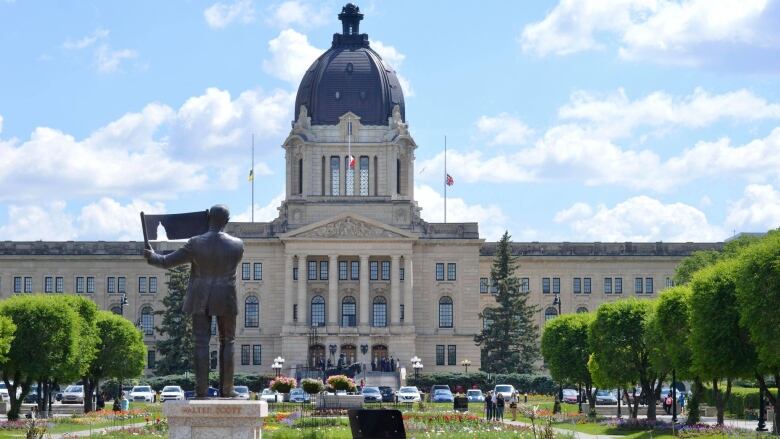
7, 334
46, 338
121, 352
721, 348
509, 341
758, 296
693, 263
566, 351
176, 346
620, 338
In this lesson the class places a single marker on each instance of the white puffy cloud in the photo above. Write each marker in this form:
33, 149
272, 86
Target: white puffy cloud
291, 55
265, 213
492, 220
86, 41
639, 218
757, 211
661, 30
296, 12
39, 222
108, 219
221, 14
108, 60
616, 115
504, 129
395, 58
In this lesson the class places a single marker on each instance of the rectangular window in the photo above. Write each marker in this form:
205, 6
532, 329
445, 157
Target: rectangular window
295, 273
245, 355
545, 285
349, 180
607, 285
152, 284
556, 285
80, 284
355, 270
342, 270
586, 285
525, 285
213, 325
402, 312
385, 270
439, 271
494, 287
483, 285
295, 312
151, 360
121, 284
27, 284
323, 270
48, 284
373, 270
452, 356
334, 175
669, 282
17, 284
401, 273
142, 284
440, 355
257, 355
638, 285
451, 271
245, 271
90, 285
59, 284
312, 270
577, 285
648, 285
258, 271
618, 285
364, 176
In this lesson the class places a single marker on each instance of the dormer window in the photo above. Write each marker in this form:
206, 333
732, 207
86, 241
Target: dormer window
338, 95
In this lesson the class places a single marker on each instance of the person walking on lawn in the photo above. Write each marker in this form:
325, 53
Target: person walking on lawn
488, 407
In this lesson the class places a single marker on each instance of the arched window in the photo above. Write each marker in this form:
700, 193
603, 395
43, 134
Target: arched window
349, 180
147, 320
364, 176
582, 310
335, 176
213, 325
550, 313
251, 312
380, 312
116, 309
348, 312
445, 312
317, 311
300, 176
213, 358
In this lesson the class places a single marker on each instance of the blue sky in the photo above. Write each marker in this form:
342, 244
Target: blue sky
574, 120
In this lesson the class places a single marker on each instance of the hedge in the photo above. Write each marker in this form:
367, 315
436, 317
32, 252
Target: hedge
742, 398
524, 383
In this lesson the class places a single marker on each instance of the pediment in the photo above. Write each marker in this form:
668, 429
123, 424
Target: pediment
349, 227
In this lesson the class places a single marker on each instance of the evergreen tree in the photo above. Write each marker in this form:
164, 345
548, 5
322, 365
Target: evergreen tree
510, 339
176, 328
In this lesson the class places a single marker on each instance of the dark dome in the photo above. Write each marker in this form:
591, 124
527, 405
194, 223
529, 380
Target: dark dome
350, 76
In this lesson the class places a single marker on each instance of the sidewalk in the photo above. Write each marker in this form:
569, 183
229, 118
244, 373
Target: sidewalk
87, 433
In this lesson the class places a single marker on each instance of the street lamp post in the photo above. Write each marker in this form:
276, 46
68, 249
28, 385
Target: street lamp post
277, 366
466, 363
557, 301
416, 365
674, 396
122, 303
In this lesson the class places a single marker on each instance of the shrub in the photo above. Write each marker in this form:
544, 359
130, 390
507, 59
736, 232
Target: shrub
312, 386
342, 382
742, 398
283, 384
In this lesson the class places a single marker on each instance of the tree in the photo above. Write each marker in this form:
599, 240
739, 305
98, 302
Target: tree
46, 337
566, 351
509, 341
121, 352
758, 296
176, 328
620, 338
720, 346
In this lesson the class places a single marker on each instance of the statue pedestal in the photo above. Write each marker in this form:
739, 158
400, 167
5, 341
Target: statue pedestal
215, 418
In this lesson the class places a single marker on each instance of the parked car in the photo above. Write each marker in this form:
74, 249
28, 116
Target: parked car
73, 394
269, 395
387, 394
436, 387
32, 395
243, 392
408, 394
372, 394
4, 391
570, 396
442, 395
142, 394
171, 393
475, 395
210, 393
605, 397
505, 389
299, 395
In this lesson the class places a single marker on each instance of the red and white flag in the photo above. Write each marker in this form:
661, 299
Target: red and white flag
450, 181
351, 162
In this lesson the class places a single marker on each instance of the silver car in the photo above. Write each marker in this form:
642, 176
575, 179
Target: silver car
73, 394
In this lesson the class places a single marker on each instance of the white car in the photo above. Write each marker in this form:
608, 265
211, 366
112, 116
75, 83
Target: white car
505, 389
408, 394
73, 394
141, 394
171, 393
243, 392
4, 391
269, 395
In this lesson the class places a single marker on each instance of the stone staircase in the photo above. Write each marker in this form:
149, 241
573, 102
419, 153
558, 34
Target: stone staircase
376, 379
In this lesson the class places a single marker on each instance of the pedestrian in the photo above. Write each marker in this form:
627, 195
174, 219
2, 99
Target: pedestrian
488, 406
681, 401
500, 407
494, 403
525, 398
513, 404
668, 404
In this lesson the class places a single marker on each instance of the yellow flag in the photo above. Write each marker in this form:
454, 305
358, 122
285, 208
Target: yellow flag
251, 175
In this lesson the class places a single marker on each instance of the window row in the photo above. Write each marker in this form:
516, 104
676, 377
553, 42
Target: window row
580, 285
85, 284
247, 270
378, 312
485, 285
349, 176
452, 356
256, 352
551, 312
348, 270
451, 271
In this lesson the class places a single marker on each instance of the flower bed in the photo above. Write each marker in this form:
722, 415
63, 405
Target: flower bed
455, 422
683, 430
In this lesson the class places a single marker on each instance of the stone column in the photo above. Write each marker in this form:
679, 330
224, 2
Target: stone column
303, 302
395, 291
333, 290
408, 291
288, 289
364, 304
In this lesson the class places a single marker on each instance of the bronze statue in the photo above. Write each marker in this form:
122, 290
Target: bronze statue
214, 257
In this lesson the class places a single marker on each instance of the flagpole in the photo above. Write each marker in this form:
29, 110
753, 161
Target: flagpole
445, 178
253, 177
